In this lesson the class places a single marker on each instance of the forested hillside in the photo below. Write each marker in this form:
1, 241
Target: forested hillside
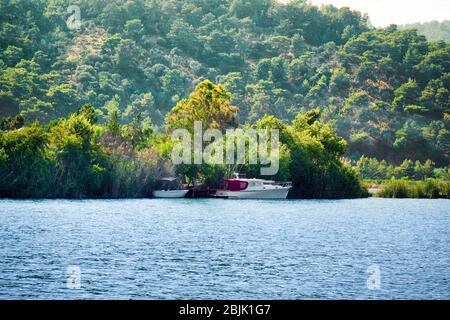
385, 91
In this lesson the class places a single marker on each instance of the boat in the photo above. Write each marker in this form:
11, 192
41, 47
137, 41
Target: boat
169, 188
241, 188
170, 193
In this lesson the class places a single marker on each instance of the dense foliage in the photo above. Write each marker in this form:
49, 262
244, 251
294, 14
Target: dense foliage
76, 157
371, 168
72, 158
310, 156
385, 91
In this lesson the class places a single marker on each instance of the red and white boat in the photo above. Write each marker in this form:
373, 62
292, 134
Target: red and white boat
239, 188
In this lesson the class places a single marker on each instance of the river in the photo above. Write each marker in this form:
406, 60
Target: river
225, 249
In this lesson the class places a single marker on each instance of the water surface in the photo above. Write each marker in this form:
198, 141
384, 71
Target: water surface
225, 249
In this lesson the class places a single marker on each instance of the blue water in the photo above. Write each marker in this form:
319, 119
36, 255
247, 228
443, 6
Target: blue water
225, 249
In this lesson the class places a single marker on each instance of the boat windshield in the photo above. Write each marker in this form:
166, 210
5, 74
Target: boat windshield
236, 185
168, 184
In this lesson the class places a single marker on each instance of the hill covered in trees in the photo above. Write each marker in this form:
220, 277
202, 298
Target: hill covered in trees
386, 91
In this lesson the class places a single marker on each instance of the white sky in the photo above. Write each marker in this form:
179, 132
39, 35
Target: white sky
384, 12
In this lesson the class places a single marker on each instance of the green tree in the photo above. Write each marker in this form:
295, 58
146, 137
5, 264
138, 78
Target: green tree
209, 103
407, 94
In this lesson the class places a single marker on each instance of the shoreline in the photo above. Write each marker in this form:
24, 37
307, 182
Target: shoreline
216, 198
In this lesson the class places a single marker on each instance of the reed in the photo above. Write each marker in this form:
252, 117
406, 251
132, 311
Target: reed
426, 189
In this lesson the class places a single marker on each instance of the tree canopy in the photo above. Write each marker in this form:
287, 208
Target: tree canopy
385, 91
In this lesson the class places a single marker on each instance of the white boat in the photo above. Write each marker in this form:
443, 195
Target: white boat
170, 193
240, 188
169, 188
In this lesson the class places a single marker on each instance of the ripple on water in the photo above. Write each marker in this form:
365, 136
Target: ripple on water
218, 249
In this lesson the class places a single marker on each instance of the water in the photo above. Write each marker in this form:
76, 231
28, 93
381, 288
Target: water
225, 249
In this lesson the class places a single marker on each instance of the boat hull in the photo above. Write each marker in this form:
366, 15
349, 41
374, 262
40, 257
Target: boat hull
280, 193
170, 194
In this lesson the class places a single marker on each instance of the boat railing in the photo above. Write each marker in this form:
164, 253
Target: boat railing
285, 184
279, 183
238, 175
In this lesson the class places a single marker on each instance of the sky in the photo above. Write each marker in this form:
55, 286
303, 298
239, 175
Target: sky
385, 12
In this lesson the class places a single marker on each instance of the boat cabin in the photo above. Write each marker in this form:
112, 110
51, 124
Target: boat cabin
168, 184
